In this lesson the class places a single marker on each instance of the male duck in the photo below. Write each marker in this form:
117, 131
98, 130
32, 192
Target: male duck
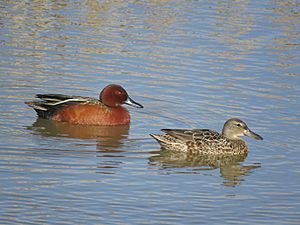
106, 110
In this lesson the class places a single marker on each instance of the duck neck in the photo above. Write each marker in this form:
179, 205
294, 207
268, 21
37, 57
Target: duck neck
230, 135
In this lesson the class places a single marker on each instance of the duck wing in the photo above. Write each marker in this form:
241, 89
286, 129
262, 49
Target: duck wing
49, 104
181, 134
205, 135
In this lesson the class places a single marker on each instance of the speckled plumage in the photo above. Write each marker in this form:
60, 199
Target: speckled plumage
206, 141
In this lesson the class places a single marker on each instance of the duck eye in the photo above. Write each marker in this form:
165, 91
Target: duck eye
239, 125
118, 92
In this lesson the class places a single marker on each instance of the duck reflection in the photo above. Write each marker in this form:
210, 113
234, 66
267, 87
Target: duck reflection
231, 168
106, 136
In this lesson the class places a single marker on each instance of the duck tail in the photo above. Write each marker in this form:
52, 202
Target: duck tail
48, 104
159, 138
42, 110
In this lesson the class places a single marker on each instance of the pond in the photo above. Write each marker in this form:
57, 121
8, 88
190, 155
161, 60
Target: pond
191, 64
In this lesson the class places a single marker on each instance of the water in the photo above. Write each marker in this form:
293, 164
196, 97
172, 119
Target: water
192, 64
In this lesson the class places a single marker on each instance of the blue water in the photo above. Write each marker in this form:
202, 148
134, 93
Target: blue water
192, 64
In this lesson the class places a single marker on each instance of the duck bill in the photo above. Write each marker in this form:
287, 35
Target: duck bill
251, 134
130, 102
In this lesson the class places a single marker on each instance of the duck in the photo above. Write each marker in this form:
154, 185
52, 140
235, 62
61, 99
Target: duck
207, 141
107, 110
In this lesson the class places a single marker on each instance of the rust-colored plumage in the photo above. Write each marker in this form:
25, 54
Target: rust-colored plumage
108, 110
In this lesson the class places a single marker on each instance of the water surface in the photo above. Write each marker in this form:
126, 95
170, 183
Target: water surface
192, 64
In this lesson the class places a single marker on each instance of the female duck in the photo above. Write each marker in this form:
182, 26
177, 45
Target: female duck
204, 141
107, 110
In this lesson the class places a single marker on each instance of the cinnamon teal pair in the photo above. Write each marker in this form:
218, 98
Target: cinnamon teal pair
108, 110
208, 142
